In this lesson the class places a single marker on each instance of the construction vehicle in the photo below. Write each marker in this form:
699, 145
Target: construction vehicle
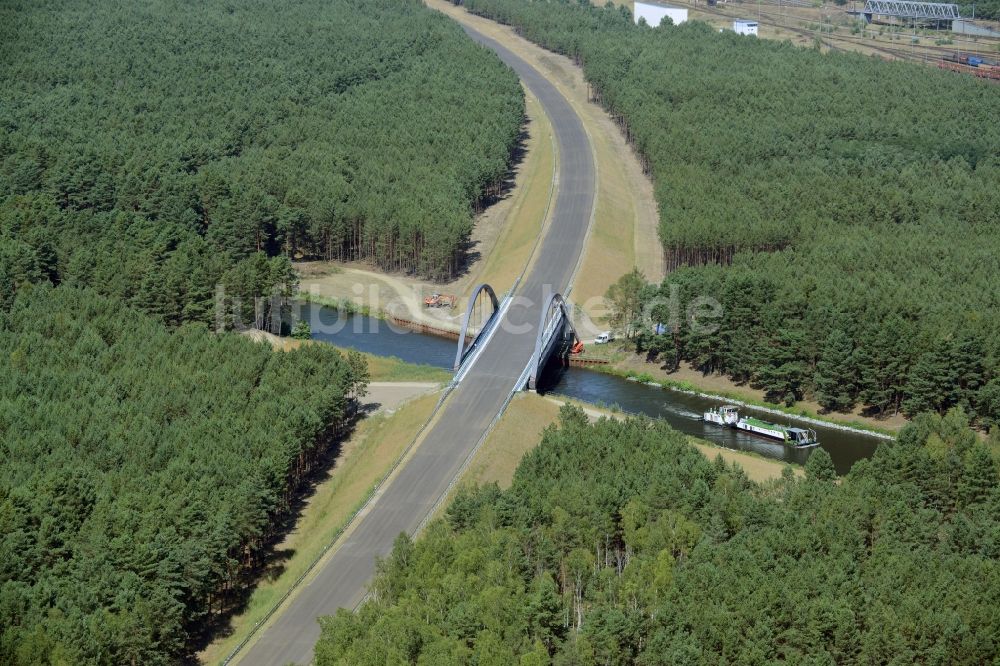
440, 301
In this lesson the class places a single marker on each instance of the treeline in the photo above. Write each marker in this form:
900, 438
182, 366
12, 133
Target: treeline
988, 9
618, 543
842, 342
856, 215
143, 472
148, 148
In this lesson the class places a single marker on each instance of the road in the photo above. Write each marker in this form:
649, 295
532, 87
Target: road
406, 499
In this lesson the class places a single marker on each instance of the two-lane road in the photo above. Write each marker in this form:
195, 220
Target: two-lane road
407, 499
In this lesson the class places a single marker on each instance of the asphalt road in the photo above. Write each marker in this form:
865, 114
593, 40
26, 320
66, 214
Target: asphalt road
406, 500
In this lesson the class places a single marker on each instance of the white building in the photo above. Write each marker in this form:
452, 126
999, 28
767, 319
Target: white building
654, 12
745, 27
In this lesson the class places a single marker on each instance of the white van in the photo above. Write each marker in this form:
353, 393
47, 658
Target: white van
604, 338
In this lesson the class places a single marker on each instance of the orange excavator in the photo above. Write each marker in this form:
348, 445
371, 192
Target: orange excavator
577, 348
440, 301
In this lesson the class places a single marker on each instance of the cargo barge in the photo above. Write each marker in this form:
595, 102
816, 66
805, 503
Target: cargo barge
728, 416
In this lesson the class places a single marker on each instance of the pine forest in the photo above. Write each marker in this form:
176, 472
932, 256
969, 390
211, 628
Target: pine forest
619, 543
844, 211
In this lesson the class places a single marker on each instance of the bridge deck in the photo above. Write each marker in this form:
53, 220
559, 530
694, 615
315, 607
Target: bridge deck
406, 500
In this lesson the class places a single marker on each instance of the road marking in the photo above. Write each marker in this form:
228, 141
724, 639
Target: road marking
480, 345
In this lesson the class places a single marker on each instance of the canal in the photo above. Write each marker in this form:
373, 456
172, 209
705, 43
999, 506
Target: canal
680, 410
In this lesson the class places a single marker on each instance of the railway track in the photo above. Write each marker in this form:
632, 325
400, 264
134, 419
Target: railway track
836, 43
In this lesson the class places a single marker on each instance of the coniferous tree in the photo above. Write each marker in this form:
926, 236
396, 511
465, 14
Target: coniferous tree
625, 558
836, 373
102, 397
781, 372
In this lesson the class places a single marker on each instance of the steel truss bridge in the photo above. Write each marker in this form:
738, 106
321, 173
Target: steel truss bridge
915, 10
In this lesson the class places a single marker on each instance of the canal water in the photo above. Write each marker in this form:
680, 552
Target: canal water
680, 410
683, 412
375, 336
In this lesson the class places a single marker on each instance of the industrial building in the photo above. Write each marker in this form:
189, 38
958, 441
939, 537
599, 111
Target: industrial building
654, 13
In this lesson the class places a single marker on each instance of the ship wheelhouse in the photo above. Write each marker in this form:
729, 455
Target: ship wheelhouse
800, 436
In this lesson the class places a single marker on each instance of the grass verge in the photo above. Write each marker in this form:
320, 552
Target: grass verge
757, 467
344, 305
527, 215
520, 430
366, 457
392, 369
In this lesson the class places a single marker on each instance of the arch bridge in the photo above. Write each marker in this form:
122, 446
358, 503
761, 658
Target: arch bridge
555, 338
464, 350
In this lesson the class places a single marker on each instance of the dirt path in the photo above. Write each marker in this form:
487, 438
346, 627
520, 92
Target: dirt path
396, 295
388, 396
503, 238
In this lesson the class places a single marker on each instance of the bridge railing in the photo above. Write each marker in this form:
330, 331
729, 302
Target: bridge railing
905, 9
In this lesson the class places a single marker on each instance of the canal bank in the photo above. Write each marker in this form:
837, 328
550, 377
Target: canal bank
681, 409
624, 363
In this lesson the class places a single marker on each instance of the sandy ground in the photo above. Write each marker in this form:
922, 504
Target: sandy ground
397, 295
278, 342
388, 396
624, 233
757, 469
